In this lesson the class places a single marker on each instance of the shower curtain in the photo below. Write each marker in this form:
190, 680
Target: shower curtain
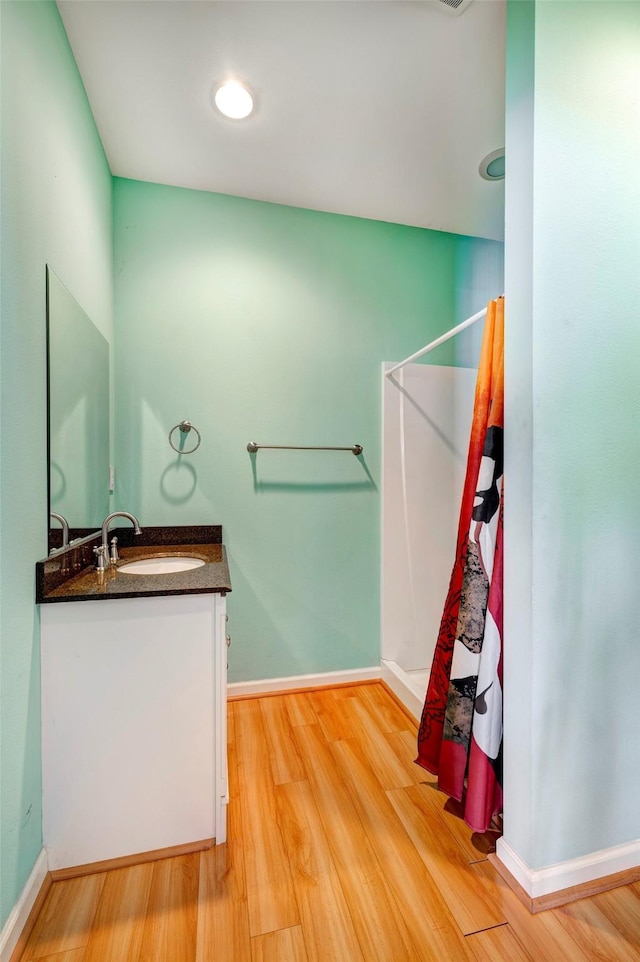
460, 735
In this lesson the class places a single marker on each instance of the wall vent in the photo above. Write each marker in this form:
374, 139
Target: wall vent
454, 7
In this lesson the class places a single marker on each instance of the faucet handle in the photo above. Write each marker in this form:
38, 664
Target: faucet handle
114, 557
101, 560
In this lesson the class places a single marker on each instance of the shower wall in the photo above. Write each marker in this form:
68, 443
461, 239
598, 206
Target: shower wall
427, 411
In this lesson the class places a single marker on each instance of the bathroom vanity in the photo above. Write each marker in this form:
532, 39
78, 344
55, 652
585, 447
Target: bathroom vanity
134, 700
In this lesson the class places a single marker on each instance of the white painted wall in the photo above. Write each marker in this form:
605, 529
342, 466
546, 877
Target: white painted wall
427, 412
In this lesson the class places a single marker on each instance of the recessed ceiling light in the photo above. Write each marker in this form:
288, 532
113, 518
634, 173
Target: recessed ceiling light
233, 100
492, 167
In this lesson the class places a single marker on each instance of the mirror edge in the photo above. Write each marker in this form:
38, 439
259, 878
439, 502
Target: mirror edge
84, 533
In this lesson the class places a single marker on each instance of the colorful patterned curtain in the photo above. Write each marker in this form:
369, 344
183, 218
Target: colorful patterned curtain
460, 736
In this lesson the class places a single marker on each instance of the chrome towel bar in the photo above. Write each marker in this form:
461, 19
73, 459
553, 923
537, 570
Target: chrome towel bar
252, 447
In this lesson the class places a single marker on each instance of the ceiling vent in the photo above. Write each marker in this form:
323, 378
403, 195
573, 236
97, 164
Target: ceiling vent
454, 7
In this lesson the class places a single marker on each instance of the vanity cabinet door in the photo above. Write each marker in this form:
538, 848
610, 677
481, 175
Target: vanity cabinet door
220, 753
133, 726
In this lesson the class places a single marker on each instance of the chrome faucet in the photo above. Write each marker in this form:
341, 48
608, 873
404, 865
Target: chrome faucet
103, 551
65, 528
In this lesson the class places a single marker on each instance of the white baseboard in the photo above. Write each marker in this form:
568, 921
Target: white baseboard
564, 875
392, 676
267, 686
12, 929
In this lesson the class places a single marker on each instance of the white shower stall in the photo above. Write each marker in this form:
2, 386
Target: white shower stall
427, 413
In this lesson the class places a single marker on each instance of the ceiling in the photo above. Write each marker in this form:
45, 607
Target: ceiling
375, 108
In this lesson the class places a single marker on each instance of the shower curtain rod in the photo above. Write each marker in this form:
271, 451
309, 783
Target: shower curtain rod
438, 341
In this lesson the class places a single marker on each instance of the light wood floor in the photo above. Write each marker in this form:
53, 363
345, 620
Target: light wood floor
340, 850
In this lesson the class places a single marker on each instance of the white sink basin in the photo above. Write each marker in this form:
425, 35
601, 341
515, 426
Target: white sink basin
160, 566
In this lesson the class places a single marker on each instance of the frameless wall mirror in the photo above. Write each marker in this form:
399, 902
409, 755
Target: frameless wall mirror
78, 415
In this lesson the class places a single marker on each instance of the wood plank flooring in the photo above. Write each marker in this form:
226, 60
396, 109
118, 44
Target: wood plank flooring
339, 849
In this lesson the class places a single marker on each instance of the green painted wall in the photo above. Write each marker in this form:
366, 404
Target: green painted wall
267, 323
573, 363
254, 321
479, 276
56, 209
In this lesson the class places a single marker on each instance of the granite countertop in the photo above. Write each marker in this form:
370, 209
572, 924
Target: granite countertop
71, 575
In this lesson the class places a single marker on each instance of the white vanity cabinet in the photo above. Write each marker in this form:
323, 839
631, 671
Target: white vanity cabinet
133, 726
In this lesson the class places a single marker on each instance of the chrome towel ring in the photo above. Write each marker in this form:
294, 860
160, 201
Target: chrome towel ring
185, 427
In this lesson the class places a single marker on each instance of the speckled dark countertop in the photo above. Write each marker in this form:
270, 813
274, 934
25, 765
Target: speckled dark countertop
70, 575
